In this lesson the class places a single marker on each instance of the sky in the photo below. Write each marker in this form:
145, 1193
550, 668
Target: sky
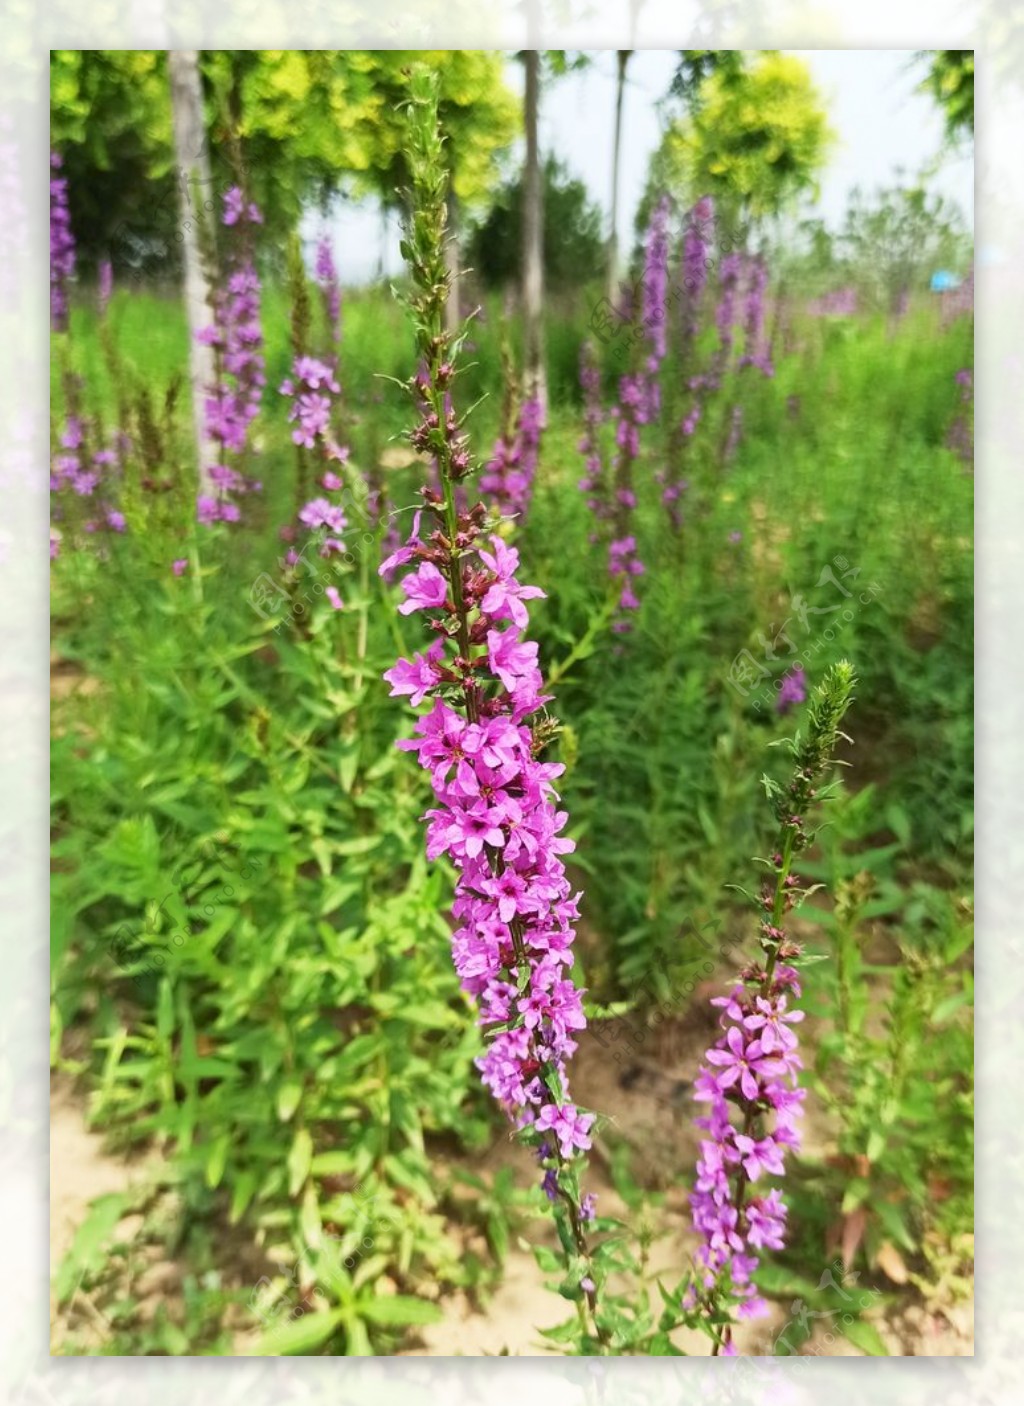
881, 122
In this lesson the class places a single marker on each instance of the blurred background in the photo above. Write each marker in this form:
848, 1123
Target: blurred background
268, 1133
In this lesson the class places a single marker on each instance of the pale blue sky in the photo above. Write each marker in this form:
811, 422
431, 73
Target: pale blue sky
883, 124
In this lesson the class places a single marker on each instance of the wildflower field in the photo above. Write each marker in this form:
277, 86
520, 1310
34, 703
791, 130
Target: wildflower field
511, 777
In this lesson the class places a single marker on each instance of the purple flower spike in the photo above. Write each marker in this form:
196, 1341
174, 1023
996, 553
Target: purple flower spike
793, 690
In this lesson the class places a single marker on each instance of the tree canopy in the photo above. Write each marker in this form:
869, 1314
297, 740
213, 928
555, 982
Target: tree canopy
754, 136
950, 81
573, 232
300, 125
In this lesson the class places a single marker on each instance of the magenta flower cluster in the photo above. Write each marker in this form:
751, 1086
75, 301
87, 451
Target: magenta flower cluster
91, 474
593, 483
497, 820
961, 432
792, 691
639, 403
749, 1076
697, 238
330, 289
840, 302
756, 352
655, 284
233, 402
62, 246
507, 478
637, 406
698, 232
310, 388
729, 304
105, 285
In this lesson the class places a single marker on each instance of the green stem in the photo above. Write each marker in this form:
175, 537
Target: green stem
581, 648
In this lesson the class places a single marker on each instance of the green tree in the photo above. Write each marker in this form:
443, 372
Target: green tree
110, 117
950, 81
573, 243
297, 125
695, 66
755, 136
893, 242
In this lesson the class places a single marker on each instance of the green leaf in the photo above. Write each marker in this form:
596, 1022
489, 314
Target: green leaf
299, 1337
216, 1158
300, 1159
288, 1096
892, 1219
948, 1007
88, 1254
856, 1193
399, 1310
357, 1340
241, 1195
865, 1336
309, 1218
362, 844
782, 1283
332, 1164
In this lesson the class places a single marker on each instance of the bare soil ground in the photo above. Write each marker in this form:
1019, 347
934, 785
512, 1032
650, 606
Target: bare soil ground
645, 1096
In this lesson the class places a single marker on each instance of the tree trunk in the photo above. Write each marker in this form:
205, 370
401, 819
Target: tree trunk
382, 253
452, 319
533, 240
194, 181
613, 235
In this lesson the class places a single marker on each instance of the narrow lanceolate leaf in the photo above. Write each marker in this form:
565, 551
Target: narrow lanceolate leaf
299, 1160
300, 1337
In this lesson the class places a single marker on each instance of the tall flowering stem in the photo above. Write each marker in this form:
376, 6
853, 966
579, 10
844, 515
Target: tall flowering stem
481, 741
233, 401
594, 482
613, 497
62, 246
507, 479
311, 388
750, 1076
756, 350
697, 236
961, 432
655, 287
330, 290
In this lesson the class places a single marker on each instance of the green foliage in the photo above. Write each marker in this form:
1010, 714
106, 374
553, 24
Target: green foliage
296, 126
250, 953
892, 244
950, 81
573, 241
697, 66
249, 925
756, 138
894, 1069
887, 247
110, 118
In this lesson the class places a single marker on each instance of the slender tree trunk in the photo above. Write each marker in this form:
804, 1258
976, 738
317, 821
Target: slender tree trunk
451, 259
194, 181
613, 234
533, 239
382, 253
